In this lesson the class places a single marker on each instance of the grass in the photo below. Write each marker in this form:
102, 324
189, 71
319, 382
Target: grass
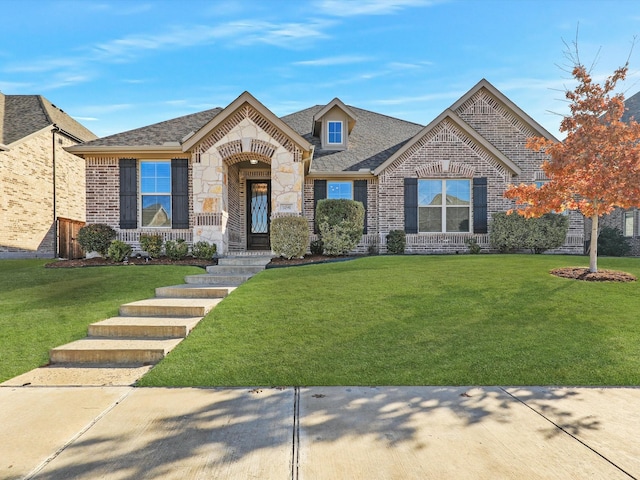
417, 320
42, 308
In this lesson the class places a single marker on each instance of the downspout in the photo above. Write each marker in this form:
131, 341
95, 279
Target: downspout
55, 130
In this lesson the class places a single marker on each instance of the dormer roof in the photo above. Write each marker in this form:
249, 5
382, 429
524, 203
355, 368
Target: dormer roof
336, 102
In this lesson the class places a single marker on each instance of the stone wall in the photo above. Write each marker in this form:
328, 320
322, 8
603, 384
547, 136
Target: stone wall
26, 194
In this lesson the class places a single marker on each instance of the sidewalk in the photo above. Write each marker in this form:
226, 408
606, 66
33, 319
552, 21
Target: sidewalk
319, 433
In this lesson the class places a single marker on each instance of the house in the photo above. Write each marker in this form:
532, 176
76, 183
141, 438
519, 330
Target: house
627, 221
221, 175
40, 181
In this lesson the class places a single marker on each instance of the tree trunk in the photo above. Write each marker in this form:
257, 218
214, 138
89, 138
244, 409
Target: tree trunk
593, 250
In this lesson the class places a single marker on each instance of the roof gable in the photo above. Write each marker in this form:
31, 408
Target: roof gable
246, 99
336, 102
422, 137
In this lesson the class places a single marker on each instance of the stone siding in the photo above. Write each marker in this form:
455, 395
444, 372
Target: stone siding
26, 194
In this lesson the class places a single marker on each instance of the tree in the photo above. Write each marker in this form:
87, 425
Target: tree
597, 167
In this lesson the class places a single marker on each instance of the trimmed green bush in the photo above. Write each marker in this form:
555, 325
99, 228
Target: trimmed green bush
96, 237
317, 247
177, 250
341, 223
118, 250
204, 250
152, 244
514, 232
396, 242
289, 236
612, 243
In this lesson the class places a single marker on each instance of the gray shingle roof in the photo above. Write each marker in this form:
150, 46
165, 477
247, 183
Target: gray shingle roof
169, 131
374, 138
632, 108
26, 114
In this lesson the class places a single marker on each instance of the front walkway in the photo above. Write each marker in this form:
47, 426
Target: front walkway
320, 432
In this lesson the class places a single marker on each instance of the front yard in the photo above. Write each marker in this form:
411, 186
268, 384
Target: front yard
42, 308
417, 320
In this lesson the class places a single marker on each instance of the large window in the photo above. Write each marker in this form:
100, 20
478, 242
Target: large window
334, 134
340, 190
155, 190
444, 205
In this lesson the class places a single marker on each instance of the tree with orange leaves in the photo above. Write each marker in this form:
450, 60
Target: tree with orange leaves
597, 167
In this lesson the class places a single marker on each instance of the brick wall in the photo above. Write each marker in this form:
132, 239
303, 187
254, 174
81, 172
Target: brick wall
26, 194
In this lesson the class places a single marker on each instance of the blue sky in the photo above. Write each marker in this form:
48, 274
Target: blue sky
120, 64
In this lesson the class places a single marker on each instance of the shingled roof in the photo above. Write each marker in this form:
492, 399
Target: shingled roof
22, 115
374, 138
632, 108
168, 132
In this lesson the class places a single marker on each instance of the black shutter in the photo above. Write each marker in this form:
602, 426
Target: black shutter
480, 205
411, 205
128, 193
180, 193
360, 195
319, 193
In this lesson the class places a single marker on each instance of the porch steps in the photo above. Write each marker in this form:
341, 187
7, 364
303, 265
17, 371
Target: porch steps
231, 270
117, 349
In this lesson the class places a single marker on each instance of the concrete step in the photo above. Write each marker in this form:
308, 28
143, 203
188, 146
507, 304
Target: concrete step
193, 291
169, 307
110, 351
144, 327
246, 260
235, 269
217, 279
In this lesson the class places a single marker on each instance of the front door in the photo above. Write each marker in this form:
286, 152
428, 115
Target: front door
258, 213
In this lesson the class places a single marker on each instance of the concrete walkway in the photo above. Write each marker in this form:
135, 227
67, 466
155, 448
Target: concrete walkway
319, 433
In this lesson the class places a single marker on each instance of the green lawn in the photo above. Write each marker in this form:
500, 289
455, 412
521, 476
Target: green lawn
42, 308
417, 320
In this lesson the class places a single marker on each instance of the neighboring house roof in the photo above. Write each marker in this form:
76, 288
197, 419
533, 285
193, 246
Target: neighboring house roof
374, 138
22, 115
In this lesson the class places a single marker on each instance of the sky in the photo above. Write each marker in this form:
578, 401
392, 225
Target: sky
115, 65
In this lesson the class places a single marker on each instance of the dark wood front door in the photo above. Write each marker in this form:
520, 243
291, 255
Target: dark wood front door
258, 214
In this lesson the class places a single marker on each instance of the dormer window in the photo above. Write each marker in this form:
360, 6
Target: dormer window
334, 133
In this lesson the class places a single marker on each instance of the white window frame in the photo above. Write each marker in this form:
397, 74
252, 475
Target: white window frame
443, 206
340, 182
629, 215
341, 129
142, 194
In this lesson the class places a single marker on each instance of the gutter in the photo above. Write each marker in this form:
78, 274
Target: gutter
54, 130
101, 150
364, 173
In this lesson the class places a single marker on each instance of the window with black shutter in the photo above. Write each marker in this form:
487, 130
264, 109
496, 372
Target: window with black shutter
180, 192
480, 205
128, 193
411, 205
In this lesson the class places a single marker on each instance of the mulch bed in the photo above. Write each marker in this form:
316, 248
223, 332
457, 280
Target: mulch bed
105, 262
581, 273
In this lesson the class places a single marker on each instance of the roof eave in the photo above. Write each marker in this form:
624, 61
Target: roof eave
109, 149
364, 173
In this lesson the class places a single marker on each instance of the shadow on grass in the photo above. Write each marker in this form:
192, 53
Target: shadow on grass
242, 433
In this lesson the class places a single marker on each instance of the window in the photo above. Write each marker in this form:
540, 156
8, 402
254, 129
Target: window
340, 190
155, 190
628, 224
444, 205
334, 132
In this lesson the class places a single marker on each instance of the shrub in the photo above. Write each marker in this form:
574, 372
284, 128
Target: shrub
396, 242
289, 236
204, 250
152, 244
177, 250
341, 223
96, 237
515, 232
118, 250
474, 247
317, 247
612, 243
546, 232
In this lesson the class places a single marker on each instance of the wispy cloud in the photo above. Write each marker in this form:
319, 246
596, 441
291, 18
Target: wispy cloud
86, 119
342, 8
418, 98
329, 61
